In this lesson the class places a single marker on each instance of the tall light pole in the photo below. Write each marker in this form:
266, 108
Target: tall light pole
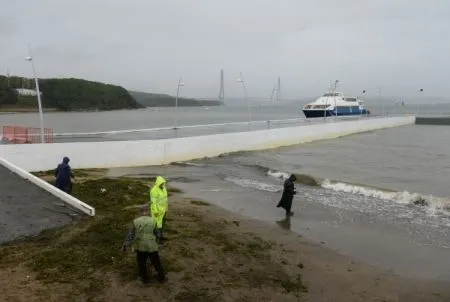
30, 58
363, 93
180, 84
279, 90
418, 103
381, 101
334, 90
241, 80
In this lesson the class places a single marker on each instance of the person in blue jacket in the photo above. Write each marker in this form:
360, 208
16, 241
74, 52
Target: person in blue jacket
64, 176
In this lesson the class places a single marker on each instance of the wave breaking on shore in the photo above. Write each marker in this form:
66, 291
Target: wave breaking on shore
433, 203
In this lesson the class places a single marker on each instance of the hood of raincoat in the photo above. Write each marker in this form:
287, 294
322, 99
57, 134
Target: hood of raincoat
159, 181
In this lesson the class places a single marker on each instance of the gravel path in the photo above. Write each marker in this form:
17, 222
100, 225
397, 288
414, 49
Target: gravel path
26, 209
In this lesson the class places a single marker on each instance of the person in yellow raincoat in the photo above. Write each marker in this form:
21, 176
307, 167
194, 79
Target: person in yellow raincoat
159, 204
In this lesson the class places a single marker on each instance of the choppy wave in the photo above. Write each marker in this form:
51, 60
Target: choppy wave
253, 184
433, 203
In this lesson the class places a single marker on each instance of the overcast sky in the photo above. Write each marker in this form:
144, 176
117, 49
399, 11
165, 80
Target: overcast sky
398, 45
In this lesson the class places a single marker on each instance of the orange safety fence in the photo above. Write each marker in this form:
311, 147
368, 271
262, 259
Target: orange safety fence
26, 135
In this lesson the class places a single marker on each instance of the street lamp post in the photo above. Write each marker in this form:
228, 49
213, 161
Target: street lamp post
335, 104
241, 80
418, 102
381, 101
180, 84
363, 93
30, 58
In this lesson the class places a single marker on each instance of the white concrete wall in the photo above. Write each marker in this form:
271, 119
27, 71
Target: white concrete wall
37, 157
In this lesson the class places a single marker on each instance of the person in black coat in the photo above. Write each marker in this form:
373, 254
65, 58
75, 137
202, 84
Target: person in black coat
64, 176
288, 195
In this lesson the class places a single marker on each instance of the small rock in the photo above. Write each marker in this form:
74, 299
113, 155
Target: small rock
300, 265
237, 223
420, 201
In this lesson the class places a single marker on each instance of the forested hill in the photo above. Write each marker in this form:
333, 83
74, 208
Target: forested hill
165, 100
66, 94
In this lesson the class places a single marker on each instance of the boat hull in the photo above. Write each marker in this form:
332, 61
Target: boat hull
314, 113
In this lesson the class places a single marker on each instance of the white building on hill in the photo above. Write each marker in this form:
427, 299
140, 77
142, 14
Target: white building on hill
23, 91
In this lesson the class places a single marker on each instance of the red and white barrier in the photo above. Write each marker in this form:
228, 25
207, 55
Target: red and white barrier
25, 135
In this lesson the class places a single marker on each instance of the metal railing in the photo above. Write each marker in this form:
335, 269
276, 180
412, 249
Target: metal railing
196, 130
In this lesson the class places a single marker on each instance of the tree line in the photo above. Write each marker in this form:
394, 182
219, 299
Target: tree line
67, 94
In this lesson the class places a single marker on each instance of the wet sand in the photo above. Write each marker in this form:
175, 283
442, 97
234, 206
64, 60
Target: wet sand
358, 235
26, 209
330, 276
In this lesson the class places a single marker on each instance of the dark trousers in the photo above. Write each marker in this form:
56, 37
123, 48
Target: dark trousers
160, 231
66, 187
141, 258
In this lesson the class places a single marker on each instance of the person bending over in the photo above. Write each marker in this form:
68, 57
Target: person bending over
143, 240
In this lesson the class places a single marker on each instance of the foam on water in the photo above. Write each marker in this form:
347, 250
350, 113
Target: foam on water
278, 174
253, 184
434, 204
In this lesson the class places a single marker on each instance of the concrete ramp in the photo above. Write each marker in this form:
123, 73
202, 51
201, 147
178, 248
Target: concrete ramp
26, 209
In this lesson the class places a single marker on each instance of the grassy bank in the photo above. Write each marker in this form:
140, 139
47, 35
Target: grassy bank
207, 257
19, 109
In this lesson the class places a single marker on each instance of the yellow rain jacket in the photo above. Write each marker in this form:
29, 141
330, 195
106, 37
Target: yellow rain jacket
158, 201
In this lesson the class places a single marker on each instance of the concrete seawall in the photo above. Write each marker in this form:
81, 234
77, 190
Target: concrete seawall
444, 120
37, 157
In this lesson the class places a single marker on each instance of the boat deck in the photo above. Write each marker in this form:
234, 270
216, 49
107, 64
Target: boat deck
26, 209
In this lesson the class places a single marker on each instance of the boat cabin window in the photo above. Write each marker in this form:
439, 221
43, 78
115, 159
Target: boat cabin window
350, 99
332, 94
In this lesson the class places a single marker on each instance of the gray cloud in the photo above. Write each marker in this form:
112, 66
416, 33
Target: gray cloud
141, 44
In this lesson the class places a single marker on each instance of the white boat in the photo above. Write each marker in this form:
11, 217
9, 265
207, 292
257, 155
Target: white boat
334, 104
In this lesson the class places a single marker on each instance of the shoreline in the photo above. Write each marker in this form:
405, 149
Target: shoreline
274, 253
17, 110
